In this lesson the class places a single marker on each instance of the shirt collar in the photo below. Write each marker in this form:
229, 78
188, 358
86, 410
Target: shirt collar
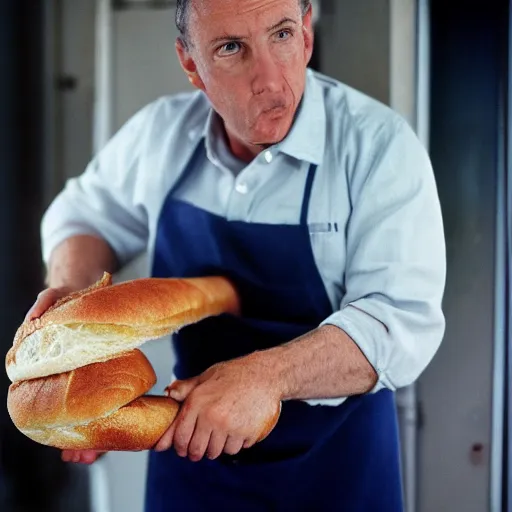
306, 138
212, 130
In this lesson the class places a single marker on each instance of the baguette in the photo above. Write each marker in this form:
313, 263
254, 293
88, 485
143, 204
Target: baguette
98, 406
105, 320
78, 379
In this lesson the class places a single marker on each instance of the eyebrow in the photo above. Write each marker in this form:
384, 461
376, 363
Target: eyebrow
280, 23
228, 38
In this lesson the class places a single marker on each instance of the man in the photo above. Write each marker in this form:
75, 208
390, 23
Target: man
321, 206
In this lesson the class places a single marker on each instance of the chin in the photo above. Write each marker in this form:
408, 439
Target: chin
271, 128
270, 136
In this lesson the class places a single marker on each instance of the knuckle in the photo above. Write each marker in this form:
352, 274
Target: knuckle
218, 419
188, 406
179, 444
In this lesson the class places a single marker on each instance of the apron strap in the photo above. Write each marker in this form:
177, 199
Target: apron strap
307, 194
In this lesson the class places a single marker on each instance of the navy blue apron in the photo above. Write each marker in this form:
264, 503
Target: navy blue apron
318, 457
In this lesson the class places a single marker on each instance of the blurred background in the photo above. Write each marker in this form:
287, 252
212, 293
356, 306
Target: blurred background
73, 71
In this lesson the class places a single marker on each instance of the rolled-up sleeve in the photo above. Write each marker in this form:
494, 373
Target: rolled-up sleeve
102, 201
396, 263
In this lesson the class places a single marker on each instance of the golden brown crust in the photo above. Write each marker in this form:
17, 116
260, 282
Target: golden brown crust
137, 426
30, 326
154, 305
81, 395
99, 405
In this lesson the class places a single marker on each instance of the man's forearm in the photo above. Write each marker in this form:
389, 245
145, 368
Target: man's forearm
324, 363
80, 261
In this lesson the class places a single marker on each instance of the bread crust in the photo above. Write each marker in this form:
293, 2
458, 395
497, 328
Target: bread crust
81, 395
135, 311
78, 380
134, 427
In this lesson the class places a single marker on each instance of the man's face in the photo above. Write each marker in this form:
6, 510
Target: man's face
250, 58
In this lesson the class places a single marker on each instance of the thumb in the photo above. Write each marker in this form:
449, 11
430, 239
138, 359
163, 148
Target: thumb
165, 442
180, 389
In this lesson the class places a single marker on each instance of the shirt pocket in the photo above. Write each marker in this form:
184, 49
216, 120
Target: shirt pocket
328, 244
318, 228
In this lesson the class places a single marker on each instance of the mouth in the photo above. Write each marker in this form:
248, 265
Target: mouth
274, 112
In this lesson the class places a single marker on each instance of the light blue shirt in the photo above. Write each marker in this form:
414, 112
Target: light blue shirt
374, 218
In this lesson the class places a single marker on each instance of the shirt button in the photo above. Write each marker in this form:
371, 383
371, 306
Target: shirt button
241, 188
268, 156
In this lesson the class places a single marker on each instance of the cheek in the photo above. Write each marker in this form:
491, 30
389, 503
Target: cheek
223, 79
230, 96
221, 87
292, 52
292, 65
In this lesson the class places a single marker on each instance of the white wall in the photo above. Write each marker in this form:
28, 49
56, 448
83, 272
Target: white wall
146, 65
370, 45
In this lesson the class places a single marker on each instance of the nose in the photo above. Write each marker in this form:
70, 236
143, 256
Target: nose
266, 74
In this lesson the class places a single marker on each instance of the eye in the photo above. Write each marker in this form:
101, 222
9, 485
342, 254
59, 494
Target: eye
283, 35
229, 48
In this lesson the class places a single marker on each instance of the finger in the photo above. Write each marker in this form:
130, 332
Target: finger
180, 389
66, 455
89, 456
199, 442
248, 443
184, 430
39, 305
216, 445
81, 456
44, 300
165, 442
233, 445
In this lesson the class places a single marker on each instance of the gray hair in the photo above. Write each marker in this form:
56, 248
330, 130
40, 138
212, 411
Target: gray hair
182, 14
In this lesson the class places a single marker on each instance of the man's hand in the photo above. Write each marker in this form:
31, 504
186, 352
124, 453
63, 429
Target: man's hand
231, 406
82, 456
45, 300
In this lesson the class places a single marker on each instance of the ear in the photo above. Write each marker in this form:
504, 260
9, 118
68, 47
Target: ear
307, 29
188, 65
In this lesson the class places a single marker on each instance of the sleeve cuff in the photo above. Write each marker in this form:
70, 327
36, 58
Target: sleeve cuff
50, 242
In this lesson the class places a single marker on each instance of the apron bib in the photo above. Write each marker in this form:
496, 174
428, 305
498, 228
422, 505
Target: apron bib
318, 457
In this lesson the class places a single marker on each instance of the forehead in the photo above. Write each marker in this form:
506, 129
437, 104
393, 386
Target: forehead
230, 15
